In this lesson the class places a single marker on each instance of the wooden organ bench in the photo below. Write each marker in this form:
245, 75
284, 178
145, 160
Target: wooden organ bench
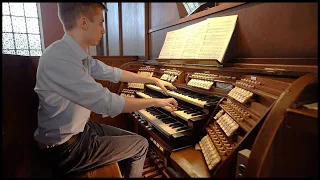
108, 171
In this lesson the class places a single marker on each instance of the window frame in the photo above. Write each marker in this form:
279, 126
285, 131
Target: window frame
39, 19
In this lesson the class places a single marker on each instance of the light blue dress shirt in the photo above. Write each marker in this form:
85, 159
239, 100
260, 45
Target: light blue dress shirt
68, 92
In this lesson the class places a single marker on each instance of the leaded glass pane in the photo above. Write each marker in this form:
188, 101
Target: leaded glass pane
5, 9
35, 52
6, 24
32, 25
8, 51
19, 25
31, 10
24, 23
16, 9
21, 41
23, 52
7, 41
34, 41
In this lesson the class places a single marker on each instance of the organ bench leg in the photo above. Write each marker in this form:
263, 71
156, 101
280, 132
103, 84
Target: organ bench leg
108, 171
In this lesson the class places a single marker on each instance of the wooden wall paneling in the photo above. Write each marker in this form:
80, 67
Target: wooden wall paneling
133, 29
113, 29
120, 28
196, 15
19, 120
51, 25
265, 30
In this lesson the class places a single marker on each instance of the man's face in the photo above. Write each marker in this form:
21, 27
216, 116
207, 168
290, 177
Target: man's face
95, 29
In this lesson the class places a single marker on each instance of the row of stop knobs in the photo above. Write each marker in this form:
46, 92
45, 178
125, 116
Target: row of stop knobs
142, 121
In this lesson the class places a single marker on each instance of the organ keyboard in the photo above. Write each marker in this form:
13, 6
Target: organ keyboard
196, 98
184, 111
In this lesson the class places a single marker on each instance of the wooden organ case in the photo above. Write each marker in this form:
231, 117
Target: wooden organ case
220, 108
247, 103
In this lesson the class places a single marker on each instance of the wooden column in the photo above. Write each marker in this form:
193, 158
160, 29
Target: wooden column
120, 29
106, 50
146, 31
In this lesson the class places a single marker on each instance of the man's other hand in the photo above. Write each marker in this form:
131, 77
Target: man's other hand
162, 85
171, 102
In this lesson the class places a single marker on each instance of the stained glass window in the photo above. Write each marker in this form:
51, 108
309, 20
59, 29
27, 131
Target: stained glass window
21, 34
192, 6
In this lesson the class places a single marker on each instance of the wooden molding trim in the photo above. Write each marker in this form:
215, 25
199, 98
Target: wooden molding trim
120, 29
146, 28
182, 10
106, 34
198, 15
116, 58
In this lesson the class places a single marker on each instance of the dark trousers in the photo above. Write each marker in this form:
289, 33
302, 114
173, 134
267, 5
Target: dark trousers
99, 145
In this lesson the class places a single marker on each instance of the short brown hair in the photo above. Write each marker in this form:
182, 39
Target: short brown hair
68, 12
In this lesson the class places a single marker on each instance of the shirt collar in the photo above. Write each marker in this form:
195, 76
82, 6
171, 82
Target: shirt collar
75, 46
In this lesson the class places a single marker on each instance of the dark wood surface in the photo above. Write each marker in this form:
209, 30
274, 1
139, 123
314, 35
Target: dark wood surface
146, 29
191, 162
261, 161
264, 30
51, 25
19, 118
120, 28
183, 14
108, 171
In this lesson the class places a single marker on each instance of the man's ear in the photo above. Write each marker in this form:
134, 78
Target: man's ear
84, 22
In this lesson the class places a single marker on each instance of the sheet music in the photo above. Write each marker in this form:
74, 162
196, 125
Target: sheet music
207, 39
218, 34
176, 51
168, 45
194, 40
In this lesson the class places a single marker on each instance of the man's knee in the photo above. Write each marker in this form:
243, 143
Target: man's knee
143, 143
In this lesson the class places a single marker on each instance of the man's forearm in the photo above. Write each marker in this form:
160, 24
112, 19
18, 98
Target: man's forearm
135, 78
134, 104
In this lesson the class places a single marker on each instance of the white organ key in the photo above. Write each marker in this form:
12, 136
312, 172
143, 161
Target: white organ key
155, 121
141, 94
180, 114
184, 115
188, 99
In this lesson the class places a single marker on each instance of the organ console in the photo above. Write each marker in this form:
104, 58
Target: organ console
226, 105
221, 110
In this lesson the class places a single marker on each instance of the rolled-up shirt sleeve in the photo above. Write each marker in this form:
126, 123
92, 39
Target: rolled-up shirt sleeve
69, 80
101, 71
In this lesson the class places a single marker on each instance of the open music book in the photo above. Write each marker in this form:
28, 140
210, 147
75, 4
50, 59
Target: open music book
207, 39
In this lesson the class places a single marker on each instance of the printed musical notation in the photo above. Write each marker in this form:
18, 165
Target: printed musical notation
208, 39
